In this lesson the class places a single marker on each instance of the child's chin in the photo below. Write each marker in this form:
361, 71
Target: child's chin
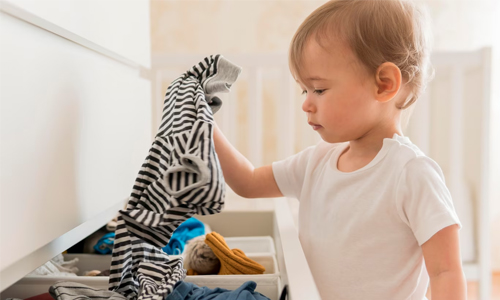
332, 139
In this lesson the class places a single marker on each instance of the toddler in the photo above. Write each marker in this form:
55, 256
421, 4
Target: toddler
376, 220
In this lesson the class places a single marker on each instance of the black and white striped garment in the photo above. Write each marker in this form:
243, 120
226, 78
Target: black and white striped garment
180, 177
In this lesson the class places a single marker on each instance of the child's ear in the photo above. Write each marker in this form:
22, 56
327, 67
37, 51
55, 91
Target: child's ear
388, 81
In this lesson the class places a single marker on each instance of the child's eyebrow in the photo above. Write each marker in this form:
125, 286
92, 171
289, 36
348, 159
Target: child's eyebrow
314, 78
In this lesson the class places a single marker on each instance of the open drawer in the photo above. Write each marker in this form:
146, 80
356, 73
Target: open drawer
287, 266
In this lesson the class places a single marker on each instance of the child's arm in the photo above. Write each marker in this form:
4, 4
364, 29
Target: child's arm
444, 265
240, 174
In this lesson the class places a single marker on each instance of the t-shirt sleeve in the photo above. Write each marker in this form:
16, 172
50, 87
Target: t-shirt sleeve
423, 201
290, 172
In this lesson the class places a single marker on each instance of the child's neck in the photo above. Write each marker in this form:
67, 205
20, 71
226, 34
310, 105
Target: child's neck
363, 150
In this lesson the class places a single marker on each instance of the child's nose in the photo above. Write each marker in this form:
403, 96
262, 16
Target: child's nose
307, 105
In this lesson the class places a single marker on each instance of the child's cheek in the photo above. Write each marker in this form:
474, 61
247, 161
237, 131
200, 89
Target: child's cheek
340, 120
346, 122
342, 114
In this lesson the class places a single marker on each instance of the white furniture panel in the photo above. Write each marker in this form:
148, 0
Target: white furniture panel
254, 245
75, 127
122, 27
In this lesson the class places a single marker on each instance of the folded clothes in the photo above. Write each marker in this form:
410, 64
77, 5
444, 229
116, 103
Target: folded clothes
104, 273
96, 273
57, 266
189, 291
92, 273
111, 226
67, 290
232, 261
105, 244
189, 229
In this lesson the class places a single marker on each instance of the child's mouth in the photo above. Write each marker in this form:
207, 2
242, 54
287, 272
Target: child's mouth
315, 126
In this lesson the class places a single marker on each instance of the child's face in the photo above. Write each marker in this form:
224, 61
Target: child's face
342, 103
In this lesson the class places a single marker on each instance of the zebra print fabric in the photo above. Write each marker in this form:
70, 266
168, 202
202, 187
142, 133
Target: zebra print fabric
180, 177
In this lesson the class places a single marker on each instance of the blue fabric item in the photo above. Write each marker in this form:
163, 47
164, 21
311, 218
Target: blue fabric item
189, 229
105, 244
189, 291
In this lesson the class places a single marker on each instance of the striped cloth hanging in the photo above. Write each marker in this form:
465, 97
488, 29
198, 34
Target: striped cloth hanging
180, 177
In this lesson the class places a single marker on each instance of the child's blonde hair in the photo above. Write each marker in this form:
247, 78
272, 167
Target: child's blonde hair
377, 31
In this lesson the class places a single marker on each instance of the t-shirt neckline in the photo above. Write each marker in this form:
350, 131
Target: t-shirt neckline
380, 155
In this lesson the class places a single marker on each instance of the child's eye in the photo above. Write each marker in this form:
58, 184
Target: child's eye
319, 92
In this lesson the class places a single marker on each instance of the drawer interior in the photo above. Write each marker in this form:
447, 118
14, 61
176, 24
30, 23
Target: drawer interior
88, 262
251, 232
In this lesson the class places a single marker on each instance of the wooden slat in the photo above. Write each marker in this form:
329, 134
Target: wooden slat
286, 116
459, 188
483, 209
421, 122
255, 116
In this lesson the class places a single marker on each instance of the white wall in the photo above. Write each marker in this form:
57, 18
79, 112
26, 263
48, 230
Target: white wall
118, 26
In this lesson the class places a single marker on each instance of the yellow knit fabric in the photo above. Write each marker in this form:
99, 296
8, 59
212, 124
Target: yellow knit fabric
232, 261
191, 272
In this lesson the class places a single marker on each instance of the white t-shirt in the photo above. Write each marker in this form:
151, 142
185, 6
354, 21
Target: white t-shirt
361, 231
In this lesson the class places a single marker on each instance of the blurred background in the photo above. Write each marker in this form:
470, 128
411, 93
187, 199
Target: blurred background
83, 82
